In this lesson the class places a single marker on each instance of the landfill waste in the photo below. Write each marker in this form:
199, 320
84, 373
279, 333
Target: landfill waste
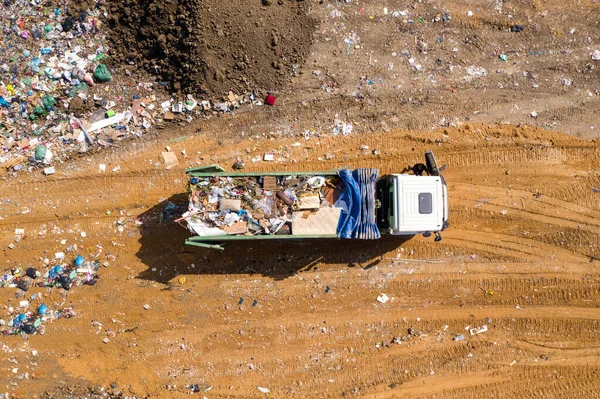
62, 275
478, 330
475, 72
383, 298
59, 96
270, 100
102, 74
51, 55
263, 205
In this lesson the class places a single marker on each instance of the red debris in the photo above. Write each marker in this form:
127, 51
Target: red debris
270, 100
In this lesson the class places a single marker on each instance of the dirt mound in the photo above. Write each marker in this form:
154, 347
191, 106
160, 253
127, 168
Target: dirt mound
210, 46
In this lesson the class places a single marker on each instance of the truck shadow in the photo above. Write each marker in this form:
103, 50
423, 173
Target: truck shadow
163, 250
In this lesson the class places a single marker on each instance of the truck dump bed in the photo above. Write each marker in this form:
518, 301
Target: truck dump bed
278, 205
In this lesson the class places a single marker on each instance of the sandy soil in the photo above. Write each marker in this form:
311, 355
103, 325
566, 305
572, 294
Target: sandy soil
520, 256
514, 260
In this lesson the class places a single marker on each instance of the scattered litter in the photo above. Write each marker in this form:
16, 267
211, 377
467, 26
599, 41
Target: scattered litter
263, 390
476, 330
170, 159
566, 82
475, 71
270, 100
383, 298
105, 123
458, 338
343, 128
49, 171
32, 316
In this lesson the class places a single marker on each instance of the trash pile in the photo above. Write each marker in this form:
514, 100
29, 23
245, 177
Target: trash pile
259, 205
51, 57
23, 320
58, 97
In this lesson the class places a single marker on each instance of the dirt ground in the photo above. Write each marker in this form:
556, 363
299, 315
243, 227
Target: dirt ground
211, 47
521, 254
524, 222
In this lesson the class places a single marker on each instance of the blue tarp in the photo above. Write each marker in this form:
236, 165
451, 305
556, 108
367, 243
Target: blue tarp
358, 219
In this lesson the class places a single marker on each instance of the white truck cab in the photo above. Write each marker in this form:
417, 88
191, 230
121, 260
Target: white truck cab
412, 203
417, 204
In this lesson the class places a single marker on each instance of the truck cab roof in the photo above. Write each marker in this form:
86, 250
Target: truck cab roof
418, 204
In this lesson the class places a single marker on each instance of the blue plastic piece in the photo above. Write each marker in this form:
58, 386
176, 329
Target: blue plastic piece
42, 309
358, 219
79, 260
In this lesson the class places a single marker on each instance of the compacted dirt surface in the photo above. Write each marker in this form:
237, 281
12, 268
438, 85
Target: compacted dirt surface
518, 257
302, 319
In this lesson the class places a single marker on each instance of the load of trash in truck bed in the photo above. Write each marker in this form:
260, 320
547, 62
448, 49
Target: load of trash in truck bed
296, 205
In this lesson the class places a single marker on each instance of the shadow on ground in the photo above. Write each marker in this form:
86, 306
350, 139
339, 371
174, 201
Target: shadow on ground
163, 250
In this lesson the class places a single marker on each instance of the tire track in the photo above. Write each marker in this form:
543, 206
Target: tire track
523, 248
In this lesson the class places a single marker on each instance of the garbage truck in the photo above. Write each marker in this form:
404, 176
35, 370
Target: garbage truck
225, 207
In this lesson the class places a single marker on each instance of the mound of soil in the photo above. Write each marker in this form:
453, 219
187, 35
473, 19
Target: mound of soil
211, 46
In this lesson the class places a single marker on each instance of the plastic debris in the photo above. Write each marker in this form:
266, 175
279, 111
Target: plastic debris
49, 171
478, 330
383, 298
270, 100
475, 71
32, 317
102, 74
170, 159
